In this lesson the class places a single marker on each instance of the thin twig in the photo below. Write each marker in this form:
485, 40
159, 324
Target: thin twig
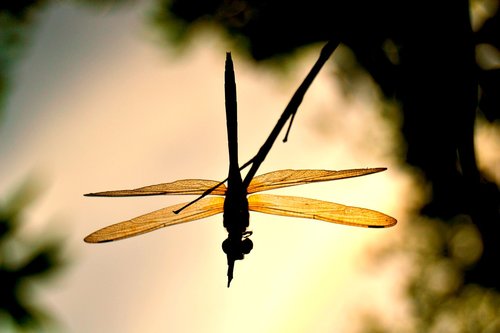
290, 110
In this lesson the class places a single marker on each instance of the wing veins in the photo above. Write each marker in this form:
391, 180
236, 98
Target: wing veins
318, 210
157, 219
178, 187
289, 177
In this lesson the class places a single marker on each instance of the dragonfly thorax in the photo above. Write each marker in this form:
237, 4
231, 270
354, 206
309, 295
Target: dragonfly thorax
236, 216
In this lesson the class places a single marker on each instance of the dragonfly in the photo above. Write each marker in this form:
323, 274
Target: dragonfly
240, 196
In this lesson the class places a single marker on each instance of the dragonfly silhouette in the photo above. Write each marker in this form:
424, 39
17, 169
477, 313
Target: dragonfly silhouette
233, 199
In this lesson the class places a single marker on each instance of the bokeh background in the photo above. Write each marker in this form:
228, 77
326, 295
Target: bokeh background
111, 95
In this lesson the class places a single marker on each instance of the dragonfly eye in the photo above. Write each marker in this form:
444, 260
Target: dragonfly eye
226, 246
246, 245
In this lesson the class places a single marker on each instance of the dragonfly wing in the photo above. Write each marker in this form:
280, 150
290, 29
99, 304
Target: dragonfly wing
289, 177
158, 219
184, 186
318, 210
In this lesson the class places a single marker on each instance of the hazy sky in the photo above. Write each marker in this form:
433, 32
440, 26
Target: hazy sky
97, 104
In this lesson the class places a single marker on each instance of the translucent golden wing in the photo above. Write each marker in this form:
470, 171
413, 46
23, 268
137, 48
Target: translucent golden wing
158, 219
288, 177
184, 186
318, 210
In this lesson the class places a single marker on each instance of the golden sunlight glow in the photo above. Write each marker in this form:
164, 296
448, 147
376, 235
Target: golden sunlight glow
119, 112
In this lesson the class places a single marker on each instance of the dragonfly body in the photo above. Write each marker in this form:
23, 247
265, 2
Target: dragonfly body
238, 198
236, 215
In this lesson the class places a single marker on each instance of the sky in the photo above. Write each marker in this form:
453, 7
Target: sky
98, 103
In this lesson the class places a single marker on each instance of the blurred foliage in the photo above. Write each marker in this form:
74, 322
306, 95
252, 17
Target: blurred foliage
437, 254
15, 24
24, 264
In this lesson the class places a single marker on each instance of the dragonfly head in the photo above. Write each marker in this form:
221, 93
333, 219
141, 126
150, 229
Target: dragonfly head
235, 248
